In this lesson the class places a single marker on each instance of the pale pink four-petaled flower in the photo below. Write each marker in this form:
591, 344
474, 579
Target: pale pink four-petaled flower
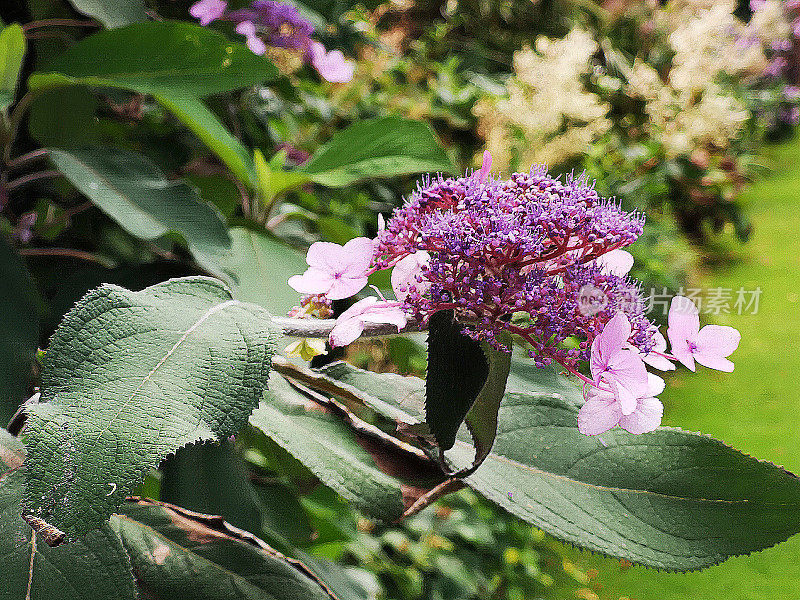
351, 323
603, 410
710, 346
336, 271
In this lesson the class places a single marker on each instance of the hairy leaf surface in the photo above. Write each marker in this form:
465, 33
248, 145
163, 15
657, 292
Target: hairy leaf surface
113, 13
131, 377
95, 567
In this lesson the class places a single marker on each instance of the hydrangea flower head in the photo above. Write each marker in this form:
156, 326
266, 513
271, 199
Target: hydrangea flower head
534, 256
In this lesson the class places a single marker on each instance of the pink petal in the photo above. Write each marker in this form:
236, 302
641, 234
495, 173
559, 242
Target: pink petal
405, 272
600, 413
256, 45
612, 339
655, 385
684, 325
627, 400
616, 262
627, 369
313, 281
658, 362
718, 339
344, 287
391, 316
352, 259
359, 308
486, 167
646, 417
714, 362
246, 28
346, 331
208, 10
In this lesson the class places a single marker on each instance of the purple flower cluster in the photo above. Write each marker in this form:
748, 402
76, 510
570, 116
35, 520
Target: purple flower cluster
280, 25
533, 256
524, 245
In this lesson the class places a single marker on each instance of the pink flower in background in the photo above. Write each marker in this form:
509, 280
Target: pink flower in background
710, 346
334, 270
208, 10
486, 167
616, 262
613, 364
406, 273
332, 66
603, 410
350, 324
249, 31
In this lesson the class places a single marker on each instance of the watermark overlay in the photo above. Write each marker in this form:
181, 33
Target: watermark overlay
709, 301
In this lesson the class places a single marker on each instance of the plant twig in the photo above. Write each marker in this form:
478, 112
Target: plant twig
31, 178
58, 23
68, 252
27, 157
321, 328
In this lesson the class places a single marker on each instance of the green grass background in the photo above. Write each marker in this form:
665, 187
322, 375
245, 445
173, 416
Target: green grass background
755, 409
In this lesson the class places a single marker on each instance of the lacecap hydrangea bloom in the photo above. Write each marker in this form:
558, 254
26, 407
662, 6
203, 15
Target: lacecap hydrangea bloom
278, 24
534, 256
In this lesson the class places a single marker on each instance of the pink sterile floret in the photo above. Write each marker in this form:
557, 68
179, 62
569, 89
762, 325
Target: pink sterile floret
208, 10
408, 273
710, 346
350, 324
334, 270
616, 368
617, 262
603, 410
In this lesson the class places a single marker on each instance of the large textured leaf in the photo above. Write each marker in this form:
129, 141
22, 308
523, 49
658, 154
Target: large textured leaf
526, 377
112, 13
95, 567
12, 51
457, 371
382, 147
668, 499
180, 554
19, 330
134, 192
131, 377
205, 125
257, 268
376, 478
165, 57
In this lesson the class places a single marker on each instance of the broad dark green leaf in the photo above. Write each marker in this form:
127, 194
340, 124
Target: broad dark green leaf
165, 57
667, 499
211, 478
382, 147
19, 330
94, 567
394, 396
12, 51
133, 191
257, 268
375, 478
457, 371
209, 129
112, 13
129, 378
179, 554
526, 377
66, 118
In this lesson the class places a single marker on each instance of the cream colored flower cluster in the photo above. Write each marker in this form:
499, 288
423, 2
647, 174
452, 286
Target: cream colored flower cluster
548, 115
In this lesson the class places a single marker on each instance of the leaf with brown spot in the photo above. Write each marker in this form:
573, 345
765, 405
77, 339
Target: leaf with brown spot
179, 553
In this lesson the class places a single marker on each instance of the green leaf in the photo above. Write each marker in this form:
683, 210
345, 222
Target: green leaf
382, 147
273, 181
257, 268
161, 57
179, 554
357, 466
457, 371
667, 499
211, 478
134, 192
209, 129
95, 567
65, 118
526, 377
19, 330
482, 417
396, 397
129, 378
112, 13
12, 53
